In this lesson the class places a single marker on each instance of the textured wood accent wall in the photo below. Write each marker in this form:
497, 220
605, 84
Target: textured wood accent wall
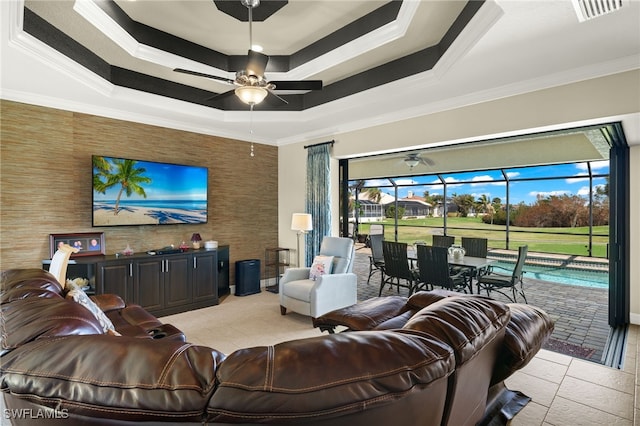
45, 184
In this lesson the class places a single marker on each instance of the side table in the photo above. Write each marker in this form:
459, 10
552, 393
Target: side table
275, 260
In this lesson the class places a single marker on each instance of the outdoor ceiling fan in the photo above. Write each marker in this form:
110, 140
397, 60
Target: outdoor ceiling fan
414, 159
252, 86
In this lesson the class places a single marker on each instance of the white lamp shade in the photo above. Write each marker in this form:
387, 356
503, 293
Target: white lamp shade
301, 222
251, 95
411, 162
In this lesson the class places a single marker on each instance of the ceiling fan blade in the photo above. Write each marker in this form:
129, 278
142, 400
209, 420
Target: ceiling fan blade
256, 63
221, 96
274, 100
199, 74
427, 161
298, 85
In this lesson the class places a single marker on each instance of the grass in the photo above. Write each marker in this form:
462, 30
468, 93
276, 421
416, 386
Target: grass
571, 241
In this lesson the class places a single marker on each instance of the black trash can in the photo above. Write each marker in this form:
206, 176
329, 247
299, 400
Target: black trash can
247, 277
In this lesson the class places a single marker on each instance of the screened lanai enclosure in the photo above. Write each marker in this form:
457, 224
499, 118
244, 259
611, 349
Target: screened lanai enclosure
556, 208
562, 193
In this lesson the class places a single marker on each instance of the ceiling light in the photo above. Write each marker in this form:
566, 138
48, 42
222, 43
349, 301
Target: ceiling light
251, 95
411, 162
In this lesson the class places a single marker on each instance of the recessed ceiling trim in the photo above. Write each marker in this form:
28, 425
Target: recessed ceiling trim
99, 18
381, 36
104, 23
483, 20
52, 56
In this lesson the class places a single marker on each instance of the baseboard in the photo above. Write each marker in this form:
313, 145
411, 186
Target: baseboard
634, 319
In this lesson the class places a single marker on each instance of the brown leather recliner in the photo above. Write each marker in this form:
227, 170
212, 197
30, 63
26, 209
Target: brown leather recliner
57, 362
523, 335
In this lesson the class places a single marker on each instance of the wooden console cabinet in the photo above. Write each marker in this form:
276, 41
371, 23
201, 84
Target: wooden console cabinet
163, 284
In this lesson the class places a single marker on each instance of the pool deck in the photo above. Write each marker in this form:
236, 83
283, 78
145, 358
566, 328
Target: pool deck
580, 313
550, 259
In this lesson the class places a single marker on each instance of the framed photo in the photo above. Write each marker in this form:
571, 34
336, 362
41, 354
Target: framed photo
89, 243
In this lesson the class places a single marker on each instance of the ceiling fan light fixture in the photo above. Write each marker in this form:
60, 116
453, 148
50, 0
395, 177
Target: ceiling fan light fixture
251, 95
411, 162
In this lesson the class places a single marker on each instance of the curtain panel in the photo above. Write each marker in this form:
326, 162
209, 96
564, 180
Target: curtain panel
318, 198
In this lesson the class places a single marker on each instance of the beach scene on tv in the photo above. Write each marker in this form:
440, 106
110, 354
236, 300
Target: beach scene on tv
132, 192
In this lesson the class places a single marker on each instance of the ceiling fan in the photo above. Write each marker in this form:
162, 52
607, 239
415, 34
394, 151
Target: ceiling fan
252, 86
414, 159
411, 159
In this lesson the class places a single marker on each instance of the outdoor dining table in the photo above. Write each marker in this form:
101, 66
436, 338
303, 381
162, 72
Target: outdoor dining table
474, 264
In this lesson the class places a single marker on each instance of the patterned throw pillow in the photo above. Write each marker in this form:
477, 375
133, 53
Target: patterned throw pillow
81, 297
321, 266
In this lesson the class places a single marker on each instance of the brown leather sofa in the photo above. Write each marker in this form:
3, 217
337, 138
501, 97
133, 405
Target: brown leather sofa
57, 365
475, 383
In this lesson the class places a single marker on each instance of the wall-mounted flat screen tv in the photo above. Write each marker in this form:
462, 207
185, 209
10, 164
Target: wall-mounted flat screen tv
134, 192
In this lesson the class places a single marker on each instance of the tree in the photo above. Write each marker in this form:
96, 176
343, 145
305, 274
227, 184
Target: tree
391, 211
465, 202
485, 205
562, 211
373, 194
126, 175
432, 199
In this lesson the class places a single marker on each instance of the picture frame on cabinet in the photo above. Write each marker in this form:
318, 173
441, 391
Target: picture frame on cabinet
88, 243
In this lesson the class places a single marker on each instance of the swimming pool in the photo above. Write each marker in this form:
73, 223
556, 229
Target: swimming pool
580, 277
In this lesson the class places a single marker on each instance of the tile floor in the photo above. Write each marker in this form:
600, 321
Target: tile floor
564, 390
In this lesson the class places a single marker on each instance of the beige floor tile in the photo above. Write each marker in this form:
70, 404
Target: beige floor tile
547, 370
531, 415
599, 397
564, 412
554, 357
602, 375
540, 391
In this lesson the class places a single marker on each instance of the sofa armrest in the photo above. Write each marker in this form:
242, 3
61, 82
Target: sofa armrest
333, 291
526, 332
108, 302
295, 274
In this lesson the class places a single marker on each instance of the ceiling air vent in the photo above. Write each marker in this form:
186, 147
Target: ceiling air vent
589, 9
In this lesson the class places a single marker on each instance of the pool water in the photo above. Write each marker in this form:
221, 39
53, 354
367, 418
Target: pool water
580, 277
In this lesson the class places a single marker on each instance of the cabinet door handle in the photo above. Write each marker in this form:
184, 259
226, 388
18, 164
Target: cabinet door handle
166, 269
195, 262
131, 269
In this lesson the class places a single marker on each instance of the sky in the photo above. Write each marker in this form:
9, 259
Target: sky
168, 182
569, 179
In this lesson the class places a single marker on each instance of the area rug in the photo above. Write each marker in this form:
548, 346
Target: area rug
570, 349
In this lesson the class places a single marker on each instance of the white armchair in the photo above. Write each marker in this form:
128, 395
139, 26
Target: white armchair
328, 292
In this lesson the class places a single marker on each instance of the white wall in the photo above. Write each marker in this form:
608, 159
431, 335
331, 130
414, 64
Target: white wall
588, 102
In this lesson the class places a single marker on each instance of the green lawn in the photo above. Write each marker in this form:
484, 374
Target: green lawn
573, 241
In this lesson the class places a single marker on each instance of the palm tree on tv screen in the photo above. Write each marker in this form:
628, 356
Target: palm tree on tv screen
126, 175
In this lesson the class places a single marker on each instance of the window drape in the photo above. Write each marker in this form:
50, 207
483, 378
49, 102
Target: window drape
318, 198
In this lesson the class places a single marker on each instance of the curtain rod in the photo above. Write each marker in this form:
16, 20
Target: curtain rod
321, 143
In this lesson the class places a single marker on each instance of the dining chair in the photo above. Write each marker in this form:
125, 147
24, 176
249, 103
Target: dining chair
443, 241
396, 267
434, 270
476, 247
376, 259
501, 282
